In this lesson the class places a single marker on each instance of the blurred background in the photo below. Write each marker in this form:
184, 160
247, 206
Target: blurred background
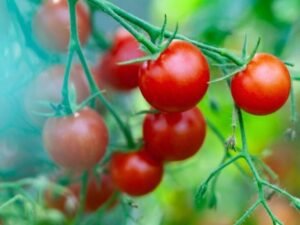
220, 23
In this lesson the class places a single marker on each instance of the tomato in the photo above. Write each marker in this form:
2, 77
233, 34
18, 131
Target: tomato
76, 142
120, 77
135, 173
174, 136
99, 191
51, 24
177, 80
47, 88
263, 86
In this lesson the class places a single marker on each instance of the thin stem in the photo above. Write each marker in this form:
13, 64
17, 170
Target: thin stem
104, 6
65, 90
242, 130
247, 213
83, 191
279, 190
75, 43
223, 166
155, 31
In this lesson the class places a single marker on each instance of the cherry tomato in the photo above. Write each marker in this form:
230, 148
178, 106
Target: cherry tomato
174, 136
52, 24
263, 87
135, 173
47, 88
177, 80
99, 191
120, 77
76, 142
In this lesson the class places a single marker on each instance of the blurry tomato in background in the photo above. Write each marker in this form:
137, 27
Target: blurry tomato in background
46, 89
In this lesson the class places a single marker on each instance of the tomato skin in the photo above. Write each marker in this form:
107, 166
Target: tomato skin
47, 87
174, 136
76, 142
120, 77
136, 173
177, 80
263, 87
99, 190
52, 24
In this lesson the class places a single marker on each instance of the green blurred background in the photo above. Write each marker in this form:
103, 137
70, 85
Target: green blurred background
221, 23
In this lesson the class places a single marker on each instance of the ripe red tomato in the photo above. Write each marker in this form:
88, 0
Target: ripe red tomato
99, 191
47, 87
263, 87
52, 24
174, 136
76, 142
135, 173
177, 80
120, 77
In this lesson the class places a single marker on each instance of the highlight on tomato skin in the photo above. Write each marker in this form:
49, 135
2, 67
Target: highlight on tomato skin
177, 80
174, 136
136, 173
120, 77
76, 142
51, 24
263, 87
46, 88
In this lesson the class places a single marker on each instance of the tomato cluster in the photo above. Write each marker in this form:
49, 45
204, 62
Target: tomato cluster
172, 84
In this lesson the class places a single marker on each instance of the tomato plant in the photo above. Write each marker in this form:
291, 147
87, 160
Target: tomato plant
263, 86
76, 142
160, 123
52, 24
136, 173
120, 77
177, 80
174, 136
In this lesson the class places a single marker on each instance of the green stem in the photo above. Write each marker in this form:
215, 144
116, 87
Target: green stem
223, 166
247, 213
279, 190
104, 6
242, 130
75, 43
83, 192
155, 31
65, 90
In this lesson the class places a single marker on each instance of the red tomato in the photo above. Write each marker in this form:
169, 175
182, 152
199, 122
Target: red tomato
52, 24
263, 87
120, 77
177, 80
135, 173
47, 87
174, 136
99, 191
76, 142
